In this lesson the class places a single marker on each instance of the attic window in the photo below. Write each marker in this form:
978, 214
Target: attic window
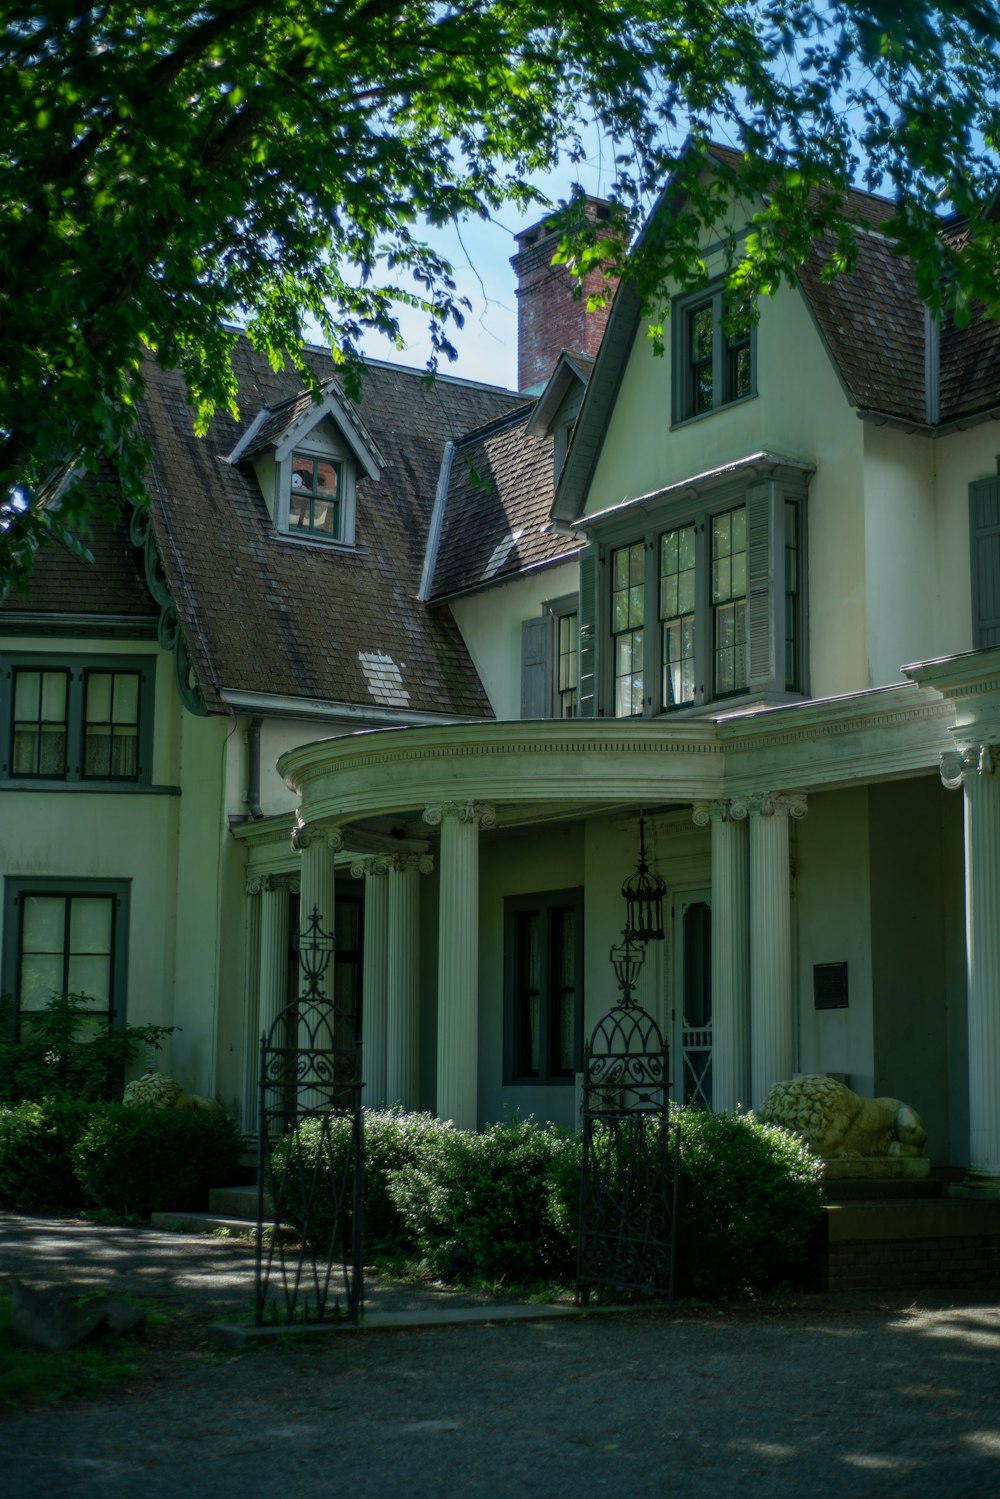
315, 502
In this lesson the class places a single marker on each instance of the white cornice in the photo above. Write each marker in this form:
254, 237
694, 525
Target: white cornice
357, 715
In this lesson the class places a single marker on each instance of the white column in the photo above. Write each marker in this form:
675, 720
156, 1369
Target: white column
730, 975
375, 963
317, 889
771, 989
458, 958
977, 770
251, 1001
403, 979
273, 952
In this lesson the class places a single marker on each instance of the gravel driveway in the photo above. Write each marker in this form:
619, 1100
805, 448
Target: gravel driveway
833, 1396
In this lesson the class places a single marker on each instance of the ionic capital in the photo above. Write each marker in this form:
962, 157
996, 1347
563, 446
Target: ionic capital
482, 814
720, 810
772, 804
955, 764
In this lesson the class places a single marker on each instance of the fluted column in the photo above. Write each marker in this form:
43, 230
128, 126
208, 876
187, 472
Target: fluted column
403, 980
251, 1002
458, 958
273, 952
771, 989
976, 768
730, 974
318, 887
374, 1010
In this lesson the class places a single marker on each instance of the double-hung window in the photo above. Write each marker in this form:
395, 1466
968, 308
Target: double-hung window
315, 503
550, 656
77, 720
543, 984
62, 937
714, 354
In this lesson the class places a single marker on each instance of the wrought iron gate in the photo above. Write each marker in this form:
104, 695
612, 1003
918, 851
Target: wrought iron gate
310, 1154
628, 1202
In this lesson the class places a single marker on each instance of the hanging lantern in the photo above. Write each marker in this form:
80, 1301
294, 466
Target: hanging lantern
627, 962
644, 894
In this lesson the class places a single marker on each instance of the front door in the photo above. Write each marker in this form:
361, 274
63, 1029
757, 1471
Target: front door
692, 997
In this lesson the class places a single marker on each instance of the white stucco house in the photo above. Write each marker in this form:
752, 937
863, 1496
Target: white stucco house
420, 661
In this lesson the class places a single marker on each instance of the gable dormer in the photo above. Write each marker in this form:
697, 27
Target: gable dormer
308, 455
558, 405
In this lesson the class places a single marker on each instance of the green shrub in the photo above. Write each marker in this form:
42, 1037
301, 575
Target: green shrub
493, 1206
749, 1201
137, 1161
57, 1052
36, 1155
393, 1140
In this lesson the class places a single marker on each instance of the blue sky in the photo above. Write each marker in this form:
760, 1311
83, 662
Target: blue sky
480, 255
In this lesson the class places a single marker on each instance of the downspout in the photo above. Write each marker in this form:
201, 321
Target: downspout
932, 368
253, 769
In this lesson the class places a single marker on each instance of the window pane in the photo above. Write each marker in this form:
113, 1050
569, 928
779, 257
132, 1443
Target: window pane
701, 334
43, 928
326, 480
90, 976
41, 977
90, 924
98, 697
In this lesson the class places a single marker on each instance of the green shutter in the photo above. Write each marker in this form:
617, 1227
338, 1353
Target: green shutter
536, 667
588, 695
984, 531
759, 592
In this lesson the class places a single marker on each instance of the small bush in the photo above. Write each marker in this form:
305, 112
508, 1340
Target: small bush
36, 1155
58, 1053
393, 1140
493, 1206
138, 1161
749, 1200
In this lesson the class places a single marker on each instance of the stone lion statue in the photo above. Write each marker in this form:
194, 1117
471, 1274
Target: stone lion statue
156, 1091
836, 1122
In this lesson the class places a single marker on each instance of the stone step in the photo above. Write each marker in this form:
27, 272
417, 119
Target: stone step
203, 1223
234, 1202
913, 1218
848, 1190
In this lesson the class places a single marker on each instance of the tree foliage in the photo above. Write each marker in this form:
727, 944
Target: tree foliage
166, 167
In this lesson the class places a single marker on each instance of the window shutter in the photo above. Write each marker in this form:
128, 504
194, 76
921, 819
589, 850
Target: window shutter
536, 667
587, 694
984, 530
760, 639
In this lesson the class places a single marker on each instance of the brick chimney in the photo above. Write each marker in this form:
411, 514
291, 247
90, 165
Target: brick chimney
549, 317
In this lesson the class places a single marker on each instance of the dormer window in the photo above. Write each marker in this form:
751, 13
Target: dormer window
308, 456
315, 502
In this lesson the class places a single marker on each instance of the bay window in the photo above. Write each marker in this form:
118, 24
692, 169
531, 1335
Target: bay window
705, 604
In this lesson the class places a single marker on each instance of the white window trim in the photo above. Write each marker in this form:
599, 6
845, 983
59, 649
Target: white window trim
315, 444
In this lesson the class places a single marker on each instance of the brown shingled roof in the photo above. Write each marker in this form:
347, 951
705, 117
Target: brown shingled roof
265, 614
498, 499
114, 585
970, 367
873, 322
